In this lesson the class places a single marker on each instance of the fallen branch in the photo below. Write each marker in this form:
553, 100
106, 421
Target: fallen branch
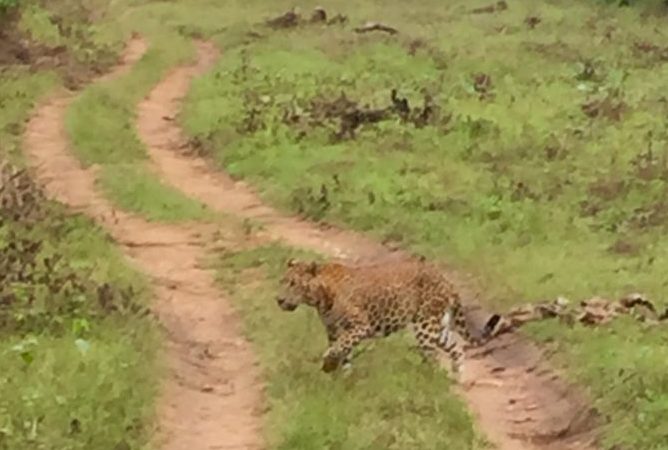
288, 19
595, 311
375, 26
349, 115
499, 6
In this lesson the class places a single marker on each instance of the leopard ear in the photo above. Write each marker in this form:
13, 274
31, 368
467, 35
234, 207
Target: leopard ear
291, 262
313, 268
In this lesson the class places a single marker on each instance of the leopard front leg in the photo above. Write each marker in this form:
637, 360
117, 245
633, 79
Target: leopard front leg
339, 350
332, 333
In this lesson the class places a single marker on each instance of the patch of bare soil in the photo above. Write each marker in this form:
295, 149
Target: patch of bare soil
211, 397
519, 401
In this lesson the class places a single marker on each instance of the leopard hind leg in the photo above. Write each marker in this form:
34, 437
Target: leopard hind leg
433, 337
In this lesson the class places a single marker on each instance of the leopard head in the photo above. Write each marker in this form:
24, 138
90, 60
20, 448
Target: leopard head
299, 285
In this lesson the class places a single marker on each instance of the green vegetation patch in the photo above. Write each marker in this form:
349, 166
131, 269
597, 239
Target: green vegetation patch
19, 92
533, 153
77, 350
77, 344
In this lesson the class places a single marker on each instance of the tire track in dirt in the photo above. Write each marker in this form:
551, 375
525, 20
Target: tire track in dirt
519, 402
211, 398
165, 141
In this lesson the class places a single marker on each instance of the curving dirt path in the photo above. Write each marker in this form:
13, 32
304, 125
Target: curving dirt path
520, 403
212, 397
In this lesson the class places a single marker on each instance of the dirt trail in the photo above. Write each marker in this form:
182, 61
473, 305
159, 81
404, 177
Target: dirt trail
156, 126
211, 397
519, 402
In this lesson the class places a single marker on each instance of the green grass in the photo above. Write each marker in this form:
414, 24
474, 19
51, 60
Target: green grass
79, 367
86, 31
19, 92
391, 400
79, 394
76, 372
73, 376
36, 21
523, 188
83, 378
136, 189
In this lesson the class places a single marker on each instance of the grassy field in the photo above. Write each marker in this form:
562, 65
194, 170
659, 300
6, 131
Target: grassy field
386, 403
77, 351
377, 411
98, 402
539, 162
540, 166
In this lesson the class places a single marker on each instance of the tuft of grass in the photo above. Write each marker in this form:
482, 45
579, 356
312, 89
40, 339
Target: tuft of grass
137, 189
19, 92
37, 22
391, 400
548, 179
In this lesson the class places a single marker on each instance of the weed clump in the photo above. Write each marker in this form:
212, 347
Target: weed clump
40, 288
53, 36
339, 114
293, 19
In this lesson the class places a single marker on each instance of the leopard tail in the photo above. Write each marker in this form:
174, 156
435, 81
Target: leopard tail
462, 327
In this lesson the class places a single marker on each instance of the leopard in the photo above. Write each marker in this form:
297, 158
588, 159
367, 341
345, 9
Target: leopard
360, 302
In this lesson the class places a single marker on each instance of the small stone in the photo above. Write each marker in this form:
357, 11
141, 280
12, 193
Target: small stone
562, 301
